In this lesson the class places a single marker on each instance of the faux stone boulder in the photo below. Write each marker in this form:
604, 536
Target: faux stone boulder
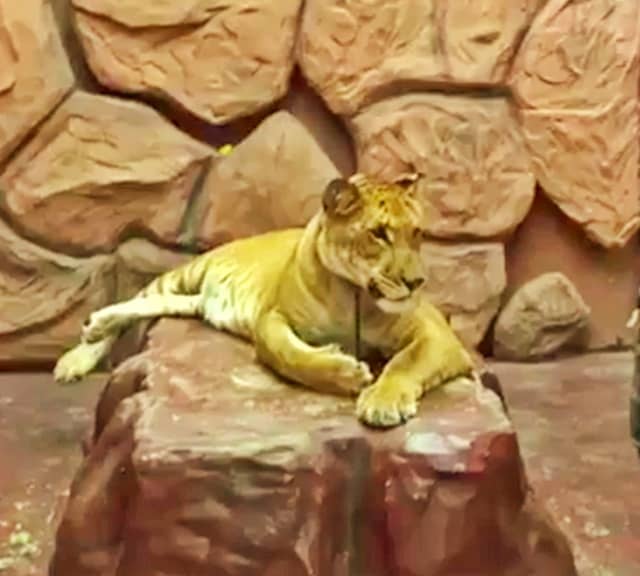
352, 52
99, 168
544, 316
140, 261
45, 298
273, 179
218, 59
34, 71
205, 463
466, 282
477, 180
575, 80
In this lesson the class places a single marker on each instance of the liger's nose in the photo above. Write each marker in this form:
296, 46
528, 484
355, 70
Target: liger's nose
413, 283
374, 290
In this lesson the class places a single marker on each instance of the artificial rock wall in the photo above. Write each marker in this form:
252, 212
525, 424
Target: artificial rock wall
521, 114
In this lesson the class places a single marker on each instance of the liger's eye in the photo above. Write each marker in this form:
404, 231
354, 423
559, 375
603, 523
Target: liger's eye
380, 233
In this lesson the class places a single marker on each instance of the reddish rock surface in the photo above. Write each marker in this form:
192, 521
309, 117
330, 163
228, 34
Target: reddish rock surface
34, 72
477, 174
465, 281
572, 417
544, 316
576, 81
273, 179
41, 426
99, 168
607, 279
215, 466
45, 297
352, 52
219, 60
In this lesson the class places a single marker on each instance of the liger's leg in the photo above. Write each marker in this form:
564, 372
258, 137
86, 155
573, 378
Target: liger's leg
118, 316
434, 356
322, 368
105, 325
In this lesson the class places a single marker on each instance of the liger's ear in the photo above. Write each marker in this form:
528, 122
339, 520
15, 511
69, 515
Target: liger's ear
341, 198
408, 181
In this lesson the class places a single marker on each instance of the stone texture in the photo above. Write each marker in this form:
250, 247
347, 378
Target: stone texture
45, 298
572, 418
273, 179
216, 467
576, 80
607, 279
34, 72
352, 52
140, 261
465, 281
327, 129
100, 168
544, 316
477, 174
218, 59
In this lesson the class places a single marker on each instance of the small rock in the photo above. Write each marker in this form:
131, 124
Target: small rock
544, 316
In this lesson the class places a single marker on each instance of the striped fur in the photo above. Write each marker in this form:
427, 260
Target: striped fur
291, 292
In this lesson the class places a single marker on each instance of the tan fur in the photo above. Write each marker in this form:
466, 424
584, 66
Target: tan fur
292, 293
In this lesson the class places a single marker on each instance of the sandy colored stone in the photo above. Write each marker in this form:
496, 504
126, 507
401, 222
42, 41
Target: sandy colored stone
46, 297
465, 281
273, 179
140, 261
99, 168
544, 316
607, 280
587, 163
327, 129
477, 175
34, 72
351, 52
207, 463
576, 80
219, 59
578, 56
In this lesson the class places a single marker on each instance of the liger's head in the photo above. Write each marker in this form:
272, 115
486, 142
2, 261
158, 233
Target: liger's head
370, 235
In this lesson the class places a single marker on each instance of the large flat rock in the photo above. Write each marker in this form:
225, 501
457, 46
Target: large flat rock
575, 79
45, 297
219, 60
477, 176
355, 52
100, 168
35, 74
205, 463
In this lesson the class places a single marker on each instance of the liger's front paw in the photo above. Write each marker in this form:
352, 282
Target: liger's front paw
384, 405
76, 364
